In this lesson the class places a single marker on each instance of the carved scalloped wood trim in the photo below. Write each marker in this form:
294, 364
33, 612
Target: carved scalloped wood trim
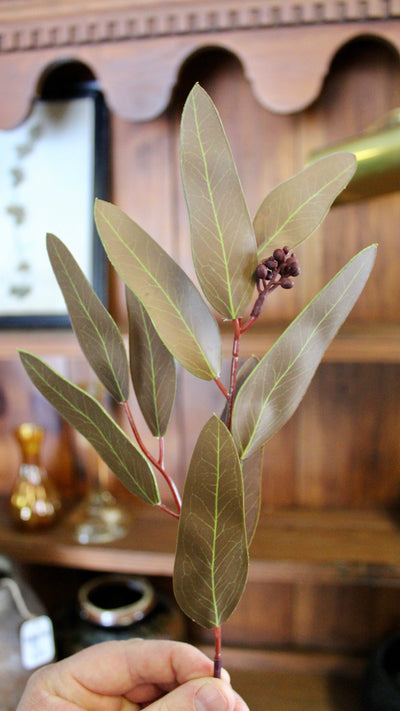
136, 50
35, 25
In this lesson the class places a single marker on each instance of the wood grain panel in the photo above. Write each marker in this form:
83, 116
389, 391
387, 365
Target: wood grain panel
348, 444
143, 186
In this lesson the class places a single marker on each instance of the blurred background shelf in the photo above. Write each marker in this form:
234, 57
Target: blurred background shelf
342, 546
355, 342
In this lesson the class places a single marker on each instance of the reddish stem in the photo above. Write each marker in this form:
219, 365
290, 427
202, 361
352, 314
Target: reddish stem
222, 387
161, 452
259, 304
234, 368
158, 464
168, 511
248, 324
217, 655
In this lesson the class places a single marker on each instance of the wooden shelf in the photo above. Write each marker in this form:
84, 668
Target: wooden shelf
282, 681
148, 548
355, 343
341, 547
280, 691
295, 682
42, 342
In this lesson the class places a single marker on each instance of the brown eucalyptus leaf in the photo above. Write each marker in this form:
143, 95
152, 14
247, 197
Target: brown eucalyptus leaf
224, 247
152, 368
88, 417
96, 331
211, 559
179, 314
274, 389
293, 210
252, 485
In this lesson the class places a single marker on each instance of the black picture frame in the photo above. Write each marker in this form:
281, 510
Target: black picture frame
40, 305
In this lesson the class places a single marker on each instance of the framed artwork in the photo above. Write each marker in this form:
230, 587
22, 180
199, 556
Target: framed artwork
52, 167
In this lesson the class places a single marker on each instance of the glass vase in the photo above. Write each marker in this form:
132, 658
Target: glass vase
34, 501
98, 518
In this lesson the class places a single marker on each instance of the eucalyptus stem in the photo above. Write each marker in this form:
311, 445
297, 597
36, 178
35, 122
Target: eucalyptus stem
234, 368
217, 653
167, 510
222, 387
248, 324
161, 452
230, 397
159, 464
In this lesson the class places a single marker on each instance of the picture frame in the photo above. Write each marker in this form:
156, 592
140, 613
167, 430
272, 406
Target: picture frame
53, 167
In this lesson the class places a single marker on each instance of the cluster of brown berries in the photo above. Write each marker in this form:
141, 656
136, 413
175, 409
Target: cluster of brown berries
277, 270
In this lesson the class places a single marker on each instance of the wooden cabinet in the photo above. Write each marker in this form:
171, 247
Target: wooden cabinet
287, 78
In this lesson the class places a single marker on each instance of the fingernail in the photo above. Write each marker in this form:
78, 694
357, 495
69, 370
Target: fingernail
209, 698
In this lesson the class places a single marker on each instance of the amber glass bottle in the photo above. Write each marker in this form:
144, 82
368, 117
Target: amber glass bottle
34, 499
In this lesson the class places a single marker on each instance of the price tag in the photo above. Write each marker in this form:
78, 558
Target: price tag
36, 638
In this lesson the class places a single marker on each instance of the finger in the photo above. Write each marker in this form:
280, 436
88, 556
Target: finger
48, 688
206, 694
95, 678
120, 668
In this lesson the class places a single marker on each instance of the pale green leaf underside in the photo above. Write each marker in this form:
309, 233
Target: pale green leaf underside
224, 247
211, 559
276, 386
180, 316
89, 418
293, 210
152, 368
96, 331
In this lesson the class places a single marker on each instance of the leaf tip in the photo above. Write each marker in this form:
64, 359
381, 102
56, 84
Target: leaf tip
52, 241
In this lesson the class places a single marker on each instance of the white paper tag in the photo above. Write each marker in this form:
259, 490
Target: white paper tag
36, 638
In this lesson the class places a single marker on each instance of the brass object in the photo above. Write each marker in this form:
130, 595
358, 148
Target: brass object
377, 151
34, 499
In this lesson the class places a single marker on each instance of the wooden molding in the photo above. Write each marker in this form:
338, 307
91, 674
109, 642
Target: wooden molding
26, 26
137, 50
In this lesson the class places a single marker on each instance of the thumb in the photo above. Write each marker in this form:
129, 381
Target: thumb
200, 695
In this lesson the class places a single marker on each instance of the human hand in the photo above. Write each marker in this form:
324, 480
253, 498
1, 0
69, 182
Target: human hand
130, 675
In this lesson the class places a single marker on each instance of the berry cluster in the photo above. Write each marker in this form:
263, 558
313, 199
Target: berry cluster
277, 270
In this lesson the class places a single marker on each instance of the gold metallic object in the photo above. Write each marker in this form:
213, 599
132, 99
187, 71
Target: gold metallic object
34, 500
377, 151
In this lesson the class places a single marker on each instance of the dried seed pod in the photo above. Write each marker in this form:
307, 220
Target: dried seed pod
261, 272
291, 267
286, 283
271, 263
279, 255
